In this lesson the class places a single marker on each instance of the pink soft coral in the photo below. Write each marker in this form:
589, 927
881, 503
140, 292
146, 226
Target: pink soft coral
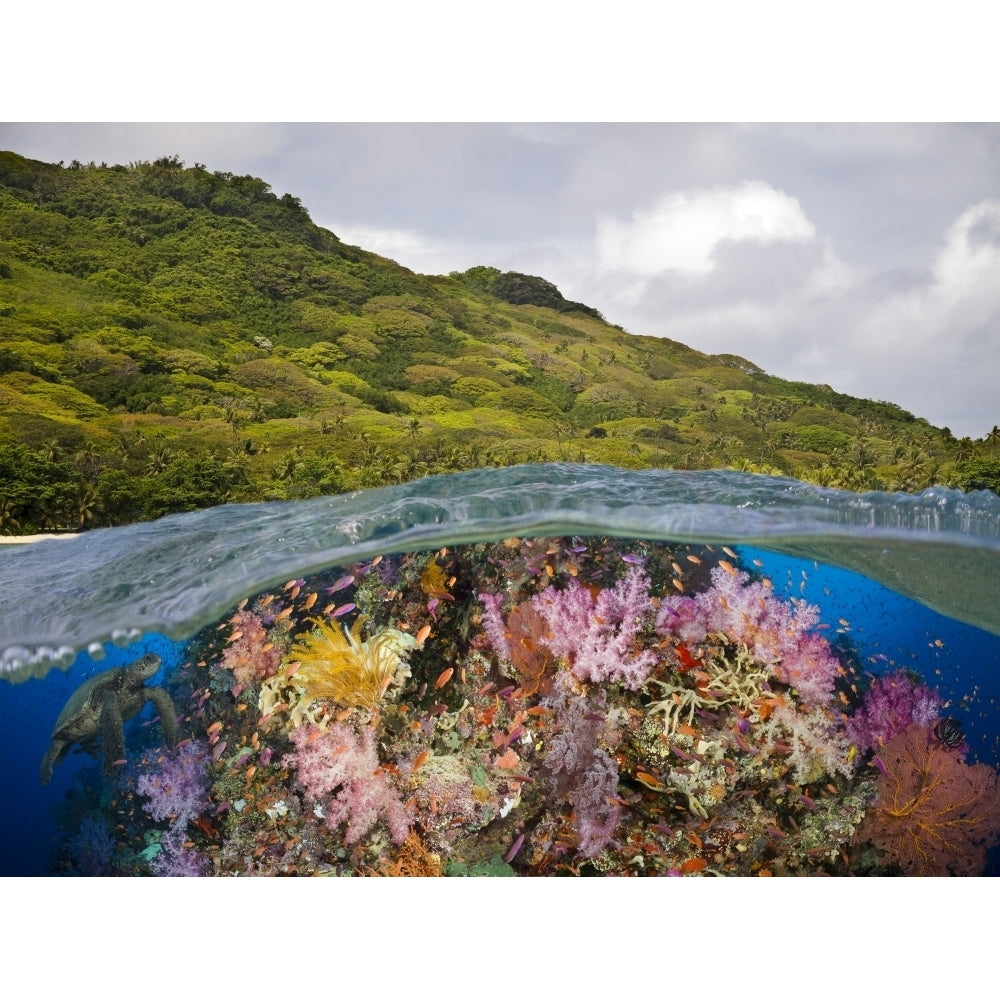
341, 771
250, 656
596, 636
778, 633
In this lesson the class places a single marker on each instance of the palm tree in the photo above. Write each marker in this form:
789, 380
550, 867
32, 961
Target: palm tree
84, 506
965, 449
158, 460
993, 439
9, 524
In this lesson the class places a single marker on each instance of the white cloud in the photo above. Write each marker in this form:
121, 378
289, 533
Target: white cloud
405, 246
682, 229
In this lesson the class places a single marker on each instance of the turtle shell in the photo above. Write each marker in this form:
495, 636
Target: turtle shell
81, 716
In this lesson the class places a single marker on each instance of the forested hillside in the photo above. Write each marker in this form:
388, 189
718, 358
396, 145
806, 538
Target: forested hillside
173, 337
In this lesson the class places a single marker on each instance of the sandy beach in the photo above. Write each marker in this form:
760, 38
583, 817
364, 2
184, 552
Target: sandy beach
24, 539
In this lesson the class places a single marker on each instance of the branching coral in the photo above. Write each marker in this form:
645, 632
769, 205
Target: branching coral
582, 774
737, 680
818, 742
178, 788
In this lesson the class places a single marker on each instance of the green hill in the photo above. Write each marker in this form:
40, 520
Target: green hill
173, 337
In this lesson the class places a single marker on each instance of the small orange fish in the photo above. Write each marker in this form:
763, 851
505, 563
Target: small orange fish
728, 567
251, 771
422, 635
292, 669
678, 585
214, 728
236, 635
694, 865
729, 552
421, 759
693, 559
309, 601
444, 677
283, 614
649, 780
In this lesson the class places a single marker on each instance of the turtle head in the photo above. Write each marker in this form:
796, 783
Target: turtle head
145, 666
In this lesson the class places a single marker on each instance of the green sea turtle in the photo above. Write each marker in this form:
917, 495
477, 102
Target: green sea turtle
101, 706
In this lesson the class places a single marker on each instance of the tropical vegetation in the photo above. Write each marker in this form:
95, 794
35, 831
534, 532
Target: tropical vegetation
173, 337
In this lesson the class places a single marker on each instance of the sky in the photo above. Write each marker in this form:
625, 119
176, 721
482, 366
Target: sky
861, 256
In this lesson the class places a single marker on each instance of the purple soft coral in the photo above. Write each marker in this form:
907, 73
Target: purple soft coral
892, 703
582, 774
178, 789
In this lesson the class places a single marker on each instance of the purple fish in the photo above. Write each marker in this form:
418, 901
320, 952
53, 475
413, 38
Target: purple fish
342, 610
515, 847
344, 581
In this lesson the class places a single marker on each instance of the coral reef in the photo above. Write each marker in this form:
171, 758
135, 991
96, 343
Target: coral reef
542, 706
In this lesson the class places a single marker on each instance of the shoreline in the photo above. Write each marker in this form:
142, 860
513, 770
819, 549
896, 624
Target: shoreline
25, 539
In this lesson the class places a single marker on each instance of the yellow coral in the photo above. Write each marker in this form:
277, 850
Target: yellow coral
336, 664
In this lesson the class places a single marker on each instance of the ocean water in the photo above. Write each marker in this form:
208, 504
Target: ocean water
903, 586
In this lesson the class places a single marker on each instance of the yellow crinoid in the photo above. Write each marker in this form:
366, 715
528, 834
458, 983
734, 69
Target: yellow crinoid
338, 665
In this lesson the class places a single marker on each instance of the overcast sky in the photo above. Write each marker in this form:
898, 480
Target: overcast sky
864, 257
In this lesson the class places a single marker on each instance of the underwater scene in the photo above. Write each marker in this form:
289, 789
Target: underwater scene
547, 670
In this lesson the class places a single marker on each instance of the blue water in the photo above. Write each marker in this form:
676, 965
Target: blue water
61, 602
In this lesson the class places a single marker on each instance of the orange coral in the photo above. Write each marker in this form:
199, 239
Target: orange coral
934, 814
412, 860
534, 662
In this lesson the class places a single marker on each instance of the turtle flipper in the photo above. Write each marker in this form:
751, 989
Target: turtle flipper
166, 711
55, 752
112, 732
